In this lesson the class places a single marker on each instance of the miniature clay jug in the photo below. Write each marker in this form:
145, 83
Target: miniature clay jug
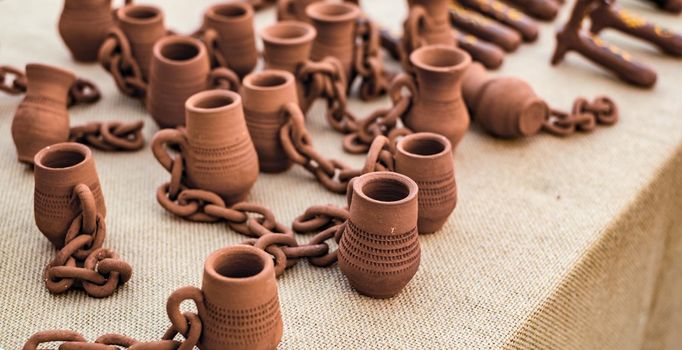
265, 94
59, 168
42, 118
238, 302
428, 23
216, 147
142, 26
427, 159
180, 68
503, 106
335, 24
83, 25
437, 104
379, 250
232, 27
293, 10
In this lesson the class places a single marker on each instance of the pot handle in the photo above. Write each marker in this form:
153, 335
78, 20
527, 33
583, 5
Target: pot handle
417, 19
178, 319
223, 78
403, 80
349, 192
161, 140
380, 152
286, 10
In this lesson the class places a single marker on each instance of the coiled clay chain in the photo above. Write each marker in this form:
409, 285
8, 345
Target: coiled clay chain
13, 81
583, 117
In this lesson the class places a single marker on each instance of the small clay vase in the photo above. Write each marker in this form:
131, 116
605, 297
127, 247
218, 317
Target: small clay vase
335, 24
427, 159
437, 104
293, 10
180, 68
42, 118
503, 106
142, 26
234, 27
428, 23
265, 94
379, 250
238, 302
83, 25
286, 46
217, 149
58, 170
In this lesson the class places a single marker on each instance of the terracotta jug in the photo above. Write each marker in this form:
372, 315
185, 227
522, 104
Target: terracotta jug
83, 25
437, 104
428, 23
427, 159
58, 170
142, 26
503, 106
379, 250
233, 25
335, 24
42, 118
180, 68
265, 94
293, 10
238, 302
217, 149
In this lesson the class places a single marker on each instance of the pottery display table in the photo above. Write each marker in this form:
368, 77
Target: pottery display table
556, 242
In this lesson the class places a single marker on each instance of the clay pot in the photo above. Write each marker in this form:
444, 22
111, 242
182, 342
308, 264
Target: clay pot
83, 25
233, 25
238, 302
42, 118
379, 250
428, 23
335, 25
503, 106
217, 149
58, 170
293, 10
437, 104
437, 186
142, 26
265, 95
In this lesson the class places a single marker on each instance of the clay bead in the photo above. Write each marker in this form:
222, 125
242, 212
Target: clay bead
83, 25
335, 25
142, 26
234, 27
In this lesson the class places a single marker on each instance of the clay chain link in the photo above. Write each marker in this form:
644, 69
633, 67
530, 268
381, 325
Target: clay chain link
116, 56
584, 116
13, 81
110, 136
99, 271
368, 62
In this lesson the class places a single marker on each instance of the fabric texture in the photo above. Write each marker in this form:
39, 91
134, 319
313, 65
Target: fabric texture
556, 243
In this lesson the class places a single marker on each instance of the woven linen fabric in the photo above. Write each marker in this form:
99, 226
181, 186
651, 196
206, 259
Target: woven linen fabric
561, 243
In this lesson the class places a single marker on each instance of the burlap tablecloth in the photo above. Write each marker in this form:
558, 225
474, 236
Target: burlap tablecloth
556, 242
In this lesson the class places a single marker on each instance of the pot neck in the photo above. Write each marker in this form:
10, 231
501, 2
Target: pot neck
49, 81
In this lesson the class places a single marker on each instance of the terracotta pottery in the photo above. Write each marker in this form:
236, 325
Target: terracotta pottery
83, 25
484, 28
58, 169
541, 9
265, 94
503, 106
437, 187
506, 15
217, 149
335, 25
42, 118
286, 46
142, 26
233, 24
293, 10
437, 104
429, 21
238, 302
379, 250
490, 55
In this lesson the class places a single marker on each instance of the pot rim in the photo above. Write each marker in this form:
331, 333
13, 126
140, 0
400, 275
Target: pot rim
212, 13
360, 182
190, 104
51, 69
463, 63
447, 146
249, 84
210, 264
179, 39
123, 14
62, 147
313, 12
310, 34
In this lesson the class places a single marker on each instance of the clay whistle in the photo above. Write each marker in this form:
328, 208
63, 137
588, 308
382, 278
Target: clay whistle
488, 54
238, 304
484, 28
142, 26
229, 29
607, 16
379, 251
506, 15
216, 147
59, 169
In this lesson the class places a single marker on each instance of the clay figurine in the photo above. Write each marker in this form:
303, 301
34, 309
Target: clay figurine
427, 23
180, 68
484, 28
437, 104
506, 15
216, 147
238, 302
229, 31
142, 26
293, 10
59, 168
379, 250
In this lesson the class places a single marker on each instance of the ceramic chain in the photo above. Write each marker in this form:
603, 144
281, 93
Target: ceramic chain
116, 56
584, 117
109, 136
368, 61
13, 81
